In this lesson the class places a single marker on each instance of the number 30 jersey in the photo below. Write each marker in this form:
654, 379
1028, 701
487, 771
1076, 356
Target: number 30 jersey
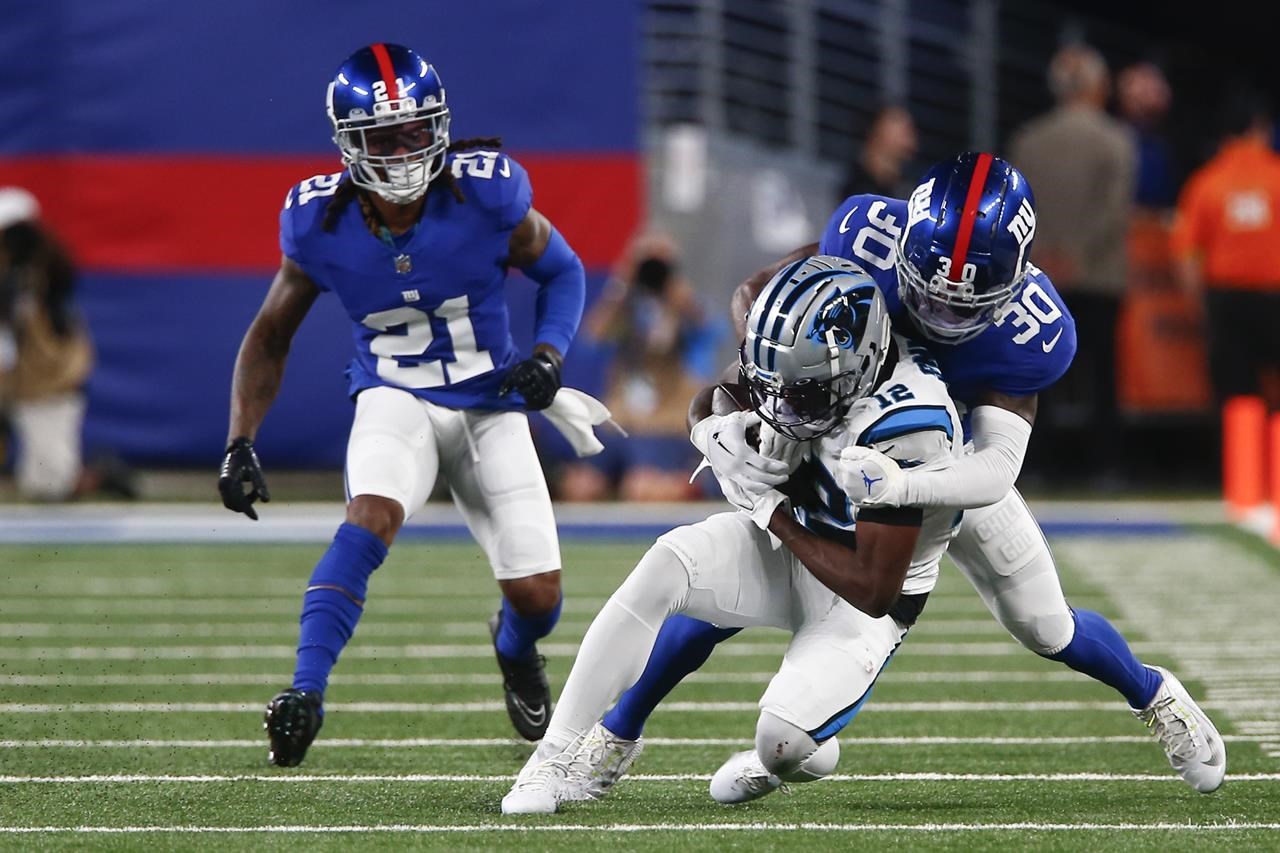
1025, 351
427, 309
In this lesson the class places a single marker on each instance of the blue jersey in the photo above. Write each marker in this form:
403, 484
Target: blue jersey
427, 309
1025, 351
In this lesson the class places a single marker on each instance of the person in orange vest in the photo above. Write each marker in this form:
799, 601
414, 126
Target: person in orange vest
1226, 246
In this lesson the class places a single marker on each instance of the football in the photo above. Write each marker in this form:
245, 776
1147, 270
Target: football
730, 397
734, 397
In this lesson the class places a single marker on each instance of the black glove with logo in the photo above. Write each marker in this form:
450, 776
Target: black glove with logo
537, 379
241, 465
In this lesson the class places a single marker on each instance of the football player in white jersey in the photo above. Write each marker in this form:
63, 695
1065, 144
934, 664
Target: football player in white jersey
824, 375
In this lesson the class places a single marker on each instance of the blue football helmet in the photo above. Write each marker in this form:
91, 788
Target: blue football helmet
817, 335
964, 251
390, 121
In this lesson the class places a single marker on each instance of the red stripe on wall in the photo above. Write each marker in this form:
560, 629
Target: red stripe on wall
150, 213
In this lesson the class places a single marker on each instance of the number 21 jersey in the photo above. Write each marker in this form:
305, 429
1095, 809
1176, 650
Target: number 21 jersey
427, 308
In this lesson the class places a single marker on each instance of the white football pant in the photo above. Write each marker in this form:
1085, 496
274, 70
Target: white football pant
724, 570
1002, 551
399, 444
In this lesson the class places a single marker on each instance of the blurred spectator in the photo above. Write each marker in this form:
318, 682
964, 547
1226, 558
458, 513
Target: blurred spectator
1226, 243
1143, 99
1080, 164
664, 351
882, 165
45, 359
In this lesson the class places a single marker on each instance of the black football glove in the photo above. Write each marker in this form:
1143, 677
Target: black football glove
241, 465
537, 379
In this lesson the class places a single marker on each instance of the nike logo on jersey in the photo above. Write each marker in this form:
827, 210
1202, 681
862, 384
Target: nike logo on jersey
844, 223
1048, 346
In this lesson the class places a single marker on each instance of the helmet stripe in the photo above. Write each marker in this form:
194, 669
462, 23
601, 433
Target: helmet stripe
970, 216
384, 68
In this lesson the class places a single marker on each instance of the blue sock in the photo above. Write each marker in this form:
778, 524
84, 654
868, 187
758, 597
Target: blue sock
1098, 650
333, 603
683, 644
518, 633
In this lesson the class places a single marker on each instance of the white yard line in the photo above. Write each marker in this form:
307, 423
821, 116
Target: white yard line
1205, 603
285, 607
463, 743
932, 648
444, 678
522, 829
415, 778
285, 630
487, 707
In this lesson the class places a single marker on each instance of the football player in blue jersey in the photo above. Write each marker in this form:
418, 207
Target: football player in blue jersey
415, 237
953, 262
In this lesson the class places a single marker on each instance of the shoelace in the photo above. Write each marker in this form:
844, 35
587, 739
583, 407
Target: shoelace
543, 775
1171, 728
588, 758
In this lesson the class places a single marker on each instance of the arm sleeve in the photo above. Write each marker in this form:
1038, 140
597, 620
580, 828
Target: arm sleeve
562, 291
983, 477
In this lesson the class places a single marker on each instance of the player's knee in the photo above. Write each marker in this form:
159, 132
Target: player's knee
380, 516
536, 595
784, 748
820, 765
1043, 633
657, 587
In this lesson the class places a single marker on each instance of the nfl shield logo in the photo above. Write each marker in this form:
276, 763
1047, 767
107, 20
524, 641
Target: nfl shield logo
404, 264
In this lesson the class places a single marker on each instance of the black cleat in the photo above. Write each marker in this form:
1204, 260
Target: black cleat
292, 721
524, 681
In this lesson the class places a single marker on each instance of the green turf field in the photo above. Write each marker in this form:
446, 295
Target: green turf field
132, 680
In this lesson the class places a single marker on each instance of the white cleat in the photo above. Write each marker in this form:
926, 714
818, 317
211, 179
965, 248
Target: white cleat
742, 779
540, 787
599, 760
1195, 749
584, 770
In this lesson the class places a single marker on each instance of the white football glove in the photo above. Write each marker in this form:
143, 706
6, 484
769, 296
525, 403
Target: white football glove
775, 445
871, 478
759, 505
722, 439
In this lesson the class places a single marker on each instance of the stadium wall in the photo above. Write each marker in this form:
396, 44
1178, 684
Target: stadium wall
161, 140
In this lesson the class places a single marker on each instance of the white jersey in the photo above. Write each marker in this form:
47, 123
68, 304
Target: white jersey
909, 417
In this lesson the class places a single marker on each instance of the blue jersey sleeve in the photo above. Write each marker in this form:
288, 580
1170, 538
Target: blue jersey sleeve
495, 182
288, 241
303, 214
838, 235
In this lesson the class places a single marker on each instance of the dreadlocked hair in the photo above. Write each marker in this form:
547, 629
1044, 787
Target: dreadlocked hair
347, 190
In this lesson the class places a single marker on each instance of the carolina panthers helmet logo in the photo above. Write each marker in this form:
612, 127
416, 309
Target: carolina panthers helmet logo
835, 317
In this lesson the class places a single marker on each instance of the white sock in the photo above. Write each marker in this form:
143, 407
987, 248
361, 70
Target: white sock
617, 646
